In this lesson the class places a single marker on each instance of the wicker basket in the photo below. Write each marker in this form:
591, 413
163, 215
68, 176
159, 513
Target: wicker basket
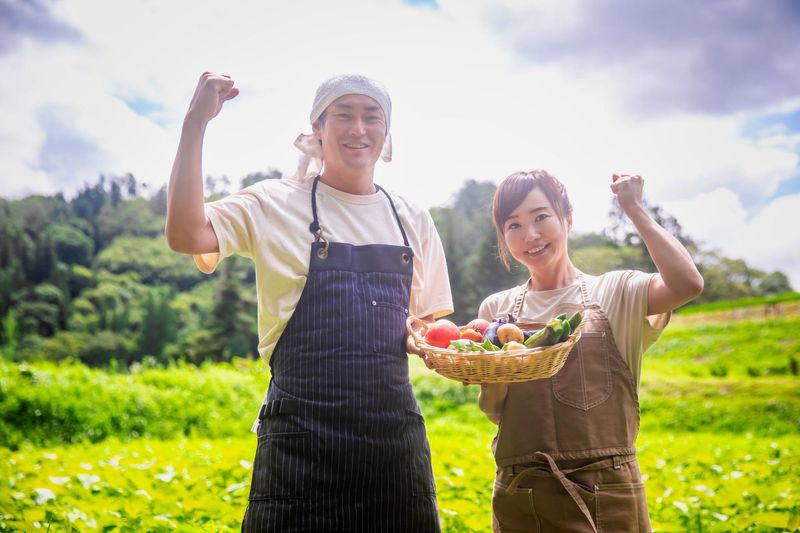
510, 366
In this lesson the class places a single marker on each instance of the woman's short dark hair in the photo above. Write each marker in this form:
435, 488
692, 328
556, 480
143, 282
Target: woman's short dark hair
513, 190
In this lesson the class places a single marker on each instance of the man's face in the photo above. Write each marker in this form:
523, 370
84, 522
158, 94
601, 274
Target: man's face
352, 133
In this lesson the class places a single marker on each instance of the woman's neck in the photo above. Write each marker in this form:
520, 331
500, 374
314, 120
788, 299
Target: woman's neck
555, 278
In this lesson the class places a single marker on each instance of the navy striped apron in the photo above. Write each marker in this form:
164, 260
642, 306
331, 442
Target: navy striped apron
341, 441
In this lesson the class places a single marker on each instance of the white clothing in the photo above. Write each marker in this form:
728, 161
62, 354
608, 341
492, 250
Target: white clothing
269, 223
622, 294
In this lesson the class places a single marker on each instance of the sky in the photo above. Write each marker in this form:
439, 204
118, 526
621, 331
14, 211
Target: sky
701, 99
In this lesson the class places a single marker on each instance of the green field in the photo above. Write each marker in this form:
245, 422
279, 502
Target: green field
168, 449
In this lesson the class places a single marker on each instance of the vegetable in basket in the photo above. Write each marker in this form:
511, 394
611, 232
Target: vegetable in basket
441, 333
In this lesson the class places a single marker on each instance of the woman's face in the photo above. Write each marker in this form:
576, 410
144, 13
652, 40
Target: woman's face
535, 235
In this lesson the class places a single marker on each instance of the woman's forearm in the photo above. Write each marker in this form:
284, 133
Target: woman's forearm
673, 261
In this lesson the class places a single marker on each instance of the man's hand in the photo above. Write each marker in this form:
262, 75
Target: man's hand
628, 190
212, 91
411, 345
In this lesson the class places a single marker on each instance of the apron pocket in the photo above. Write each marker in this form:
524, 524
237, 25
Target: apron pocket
513, 511
621, 507
419, 462
585, 380
282, 466
388, 327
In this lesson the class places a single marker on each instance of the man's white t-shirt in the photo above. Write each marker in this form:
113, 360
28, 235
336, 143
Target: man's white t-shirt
269, 223
622, 295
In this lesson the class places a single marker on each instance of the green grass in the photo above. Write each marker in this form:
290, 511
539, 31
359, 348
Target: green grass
46, 403
722, 305
766, 407
169, 449
729, 349
695, 482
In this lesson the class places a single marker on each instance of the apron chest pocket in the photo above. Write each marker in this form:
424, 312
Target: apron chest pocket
585, 380
282, 467
388, 326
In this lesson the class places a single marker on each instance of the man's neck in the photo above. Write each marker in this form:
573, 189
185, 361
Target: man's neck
353, 182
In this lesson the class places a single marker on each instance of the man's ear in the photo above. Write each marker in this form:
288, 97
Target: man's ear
315, 127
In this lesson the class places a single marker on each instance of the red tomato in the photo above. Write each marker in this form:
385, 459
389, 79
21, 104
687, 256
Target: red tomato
478, 325
471, 334
441, 333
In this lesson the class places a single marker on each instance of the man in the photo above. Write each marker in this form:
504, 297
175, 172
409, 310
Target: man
339, 265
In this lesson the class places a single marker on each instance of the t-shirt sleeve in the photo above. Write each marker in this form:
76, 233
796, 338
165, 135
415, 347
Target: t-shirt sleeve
232, 221
488, 308
430, 293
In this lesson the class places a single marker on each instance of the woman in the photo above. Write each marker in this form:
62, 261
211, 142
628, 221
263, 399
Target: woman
565, 445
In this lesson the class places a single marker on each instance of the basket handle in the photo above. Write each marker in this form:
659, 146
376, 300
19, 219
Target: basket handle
411, 321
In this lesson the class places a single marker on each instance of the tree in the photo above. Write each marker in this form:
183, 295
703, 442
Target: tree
70, 245
234, 314
40, 310
622, 231
151, 259
158, 327
470, 247
255, 177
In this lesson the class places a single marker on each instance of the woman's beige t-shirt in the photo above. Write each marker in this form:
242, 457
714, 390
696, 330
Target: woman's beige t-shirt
621, 294
268, 222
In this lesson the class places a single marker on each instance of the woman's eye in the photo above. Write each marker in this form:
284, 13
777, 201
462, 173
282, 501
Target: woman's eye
511, 226
542, 217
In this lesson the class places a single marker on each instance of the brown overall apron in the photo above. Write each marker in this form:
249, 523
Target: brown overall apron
565, 447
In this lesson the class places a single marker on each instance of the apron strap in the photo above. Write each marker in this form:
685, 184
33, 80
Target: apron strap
315, 228
517, 311
396, 216
584, 290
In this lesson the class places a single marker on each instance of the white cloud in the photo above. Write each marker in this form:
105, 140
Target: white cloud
768, 240
714, 57
465, 106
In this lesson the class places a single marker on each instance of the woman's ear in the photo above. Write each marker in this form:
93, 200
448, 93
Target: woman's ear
569, 223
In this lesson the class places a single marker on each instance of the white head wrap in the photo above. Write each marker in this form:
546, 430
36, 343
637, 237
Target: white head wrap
310, 162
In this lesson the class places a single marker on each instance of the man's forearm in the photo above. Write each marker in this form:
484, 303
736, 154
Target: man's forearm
186, 218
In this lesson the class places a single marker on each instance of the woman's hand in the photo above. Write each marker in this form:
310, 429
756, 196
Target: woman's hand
628, 190
212, 91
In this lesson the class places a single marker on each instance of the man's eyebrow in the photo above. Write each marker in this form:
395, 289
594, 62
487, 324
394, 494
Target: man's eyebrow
350, 107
